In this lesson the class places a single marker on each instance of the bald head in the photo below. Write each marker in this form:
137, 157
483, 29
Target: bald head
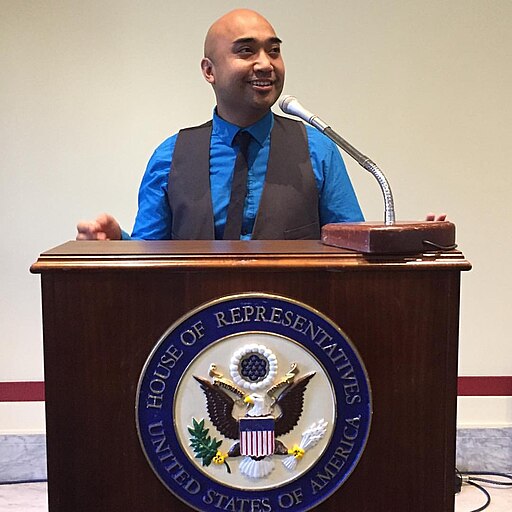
231, 23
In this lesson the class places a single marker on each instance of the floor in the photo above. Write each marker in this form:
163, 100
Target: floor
32, 497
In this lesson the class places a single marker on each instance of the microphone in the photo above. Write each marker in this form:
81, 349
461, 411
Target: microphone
291, 105
368, 237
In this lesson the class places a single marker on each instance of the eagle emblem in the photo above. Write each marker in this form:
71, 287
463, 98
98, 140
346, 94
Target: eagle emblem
254, 410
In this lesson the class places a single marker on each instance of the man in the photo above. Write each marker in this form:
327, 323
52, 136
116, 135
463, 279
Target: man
296, 180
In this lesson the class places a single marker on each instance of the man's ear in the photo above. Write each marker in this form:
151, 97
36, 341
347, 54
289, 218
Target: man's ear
207, 69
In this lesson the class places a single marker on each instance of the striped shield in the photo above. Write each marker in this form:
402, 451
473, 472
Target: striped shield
257, 436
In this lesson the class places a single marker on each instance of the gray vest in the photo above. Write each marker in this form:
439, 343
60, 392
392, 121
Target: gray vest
288, 208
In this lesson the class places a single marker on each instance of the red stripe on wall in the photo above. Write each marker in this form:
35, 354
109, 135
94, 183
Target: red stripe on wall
467, 386
485, 386
21, 391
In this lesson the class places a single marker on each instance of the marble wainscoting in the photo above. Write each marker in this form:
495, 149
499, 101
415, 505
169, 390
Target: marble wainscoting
22, 457
484, 449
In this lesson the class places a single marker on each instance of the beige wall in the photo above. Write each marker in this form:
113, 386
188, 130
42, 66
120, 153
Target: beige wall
88, 89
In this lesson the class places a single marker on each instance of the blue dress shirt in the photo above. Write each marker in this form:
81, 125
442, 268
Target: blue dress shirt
337, 199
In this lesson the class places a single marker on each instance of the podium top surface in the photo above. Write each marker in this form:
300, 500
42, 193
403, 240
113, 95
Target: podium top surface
254, 254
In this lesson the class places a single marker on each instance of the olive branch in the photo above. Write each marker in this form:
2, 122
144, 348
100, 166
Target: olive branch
205, 447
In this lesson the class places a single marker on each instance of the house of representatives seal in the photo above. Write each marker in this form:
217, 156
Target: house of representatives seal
253, 403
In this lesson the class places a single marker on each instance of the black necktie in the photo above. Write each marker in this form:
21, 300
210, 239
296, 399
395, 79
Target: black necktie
233, 226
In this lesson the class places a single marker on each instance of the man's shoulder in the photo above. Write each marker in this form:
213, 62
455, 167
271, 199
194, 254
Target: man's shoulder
169, 143
203, 126
167, 146
318, 142
315, 137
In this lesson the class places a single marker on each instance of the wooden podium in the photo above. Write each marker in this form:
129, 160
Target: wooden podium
106, 304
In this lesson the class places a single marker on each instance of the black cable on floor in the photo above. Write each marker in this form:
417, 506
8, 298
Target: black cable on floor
474, 476
24, 482
471, 477
488, 502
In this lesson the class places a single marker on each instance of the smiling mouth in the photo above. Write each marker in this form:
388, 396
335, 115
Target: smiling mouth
262, 83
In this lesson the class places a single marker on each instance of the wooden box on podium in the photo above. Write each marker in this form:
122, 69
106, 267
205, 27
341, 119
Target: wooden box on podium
105, 305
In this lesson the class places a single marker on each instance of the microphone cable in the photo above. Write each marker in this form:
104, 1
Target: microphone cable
31, 481
472, 477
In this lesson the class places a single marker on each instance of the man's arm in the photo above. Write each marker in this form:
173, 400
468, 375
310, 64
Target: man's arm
337, 198
154, 217
153, 221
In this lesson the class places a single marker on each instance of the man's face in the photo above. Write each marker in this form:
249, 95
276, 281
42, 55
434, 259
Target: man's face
244, 65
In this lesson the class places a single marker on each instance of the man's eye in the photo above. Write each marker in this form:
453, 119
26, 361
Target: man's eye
275, 50
245, 49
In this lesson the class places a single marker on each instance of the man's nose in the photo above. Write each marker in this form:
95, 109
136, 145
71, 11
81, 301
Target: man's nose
263, 62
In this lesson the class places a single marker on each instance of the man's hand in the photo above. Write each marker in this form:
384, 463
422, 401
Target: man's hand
105, 227
432, 217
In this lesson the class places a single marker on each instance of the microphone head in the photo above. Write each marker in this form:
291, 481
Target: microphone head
284, 103
290, 105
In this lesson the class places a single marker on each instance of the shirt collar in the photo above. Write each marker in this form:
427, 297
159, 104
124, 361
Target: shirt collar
259, 130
